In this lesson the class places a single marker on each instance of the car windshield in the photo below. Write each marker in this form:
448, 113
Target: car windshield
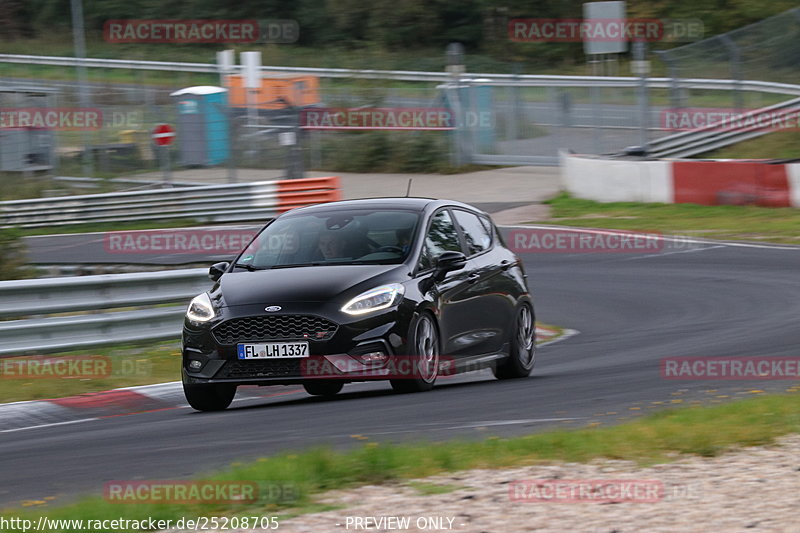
332, 237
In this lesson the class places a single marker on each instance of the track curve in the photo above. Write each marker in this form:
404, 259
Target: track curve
720, 299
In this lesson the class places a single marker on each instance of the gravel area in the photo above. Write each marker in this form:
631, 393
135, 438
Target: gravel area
750, 490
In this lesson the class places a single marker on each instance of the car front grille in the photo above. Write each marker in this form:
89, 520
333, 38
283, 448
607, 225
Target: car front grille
260, 369
274, 328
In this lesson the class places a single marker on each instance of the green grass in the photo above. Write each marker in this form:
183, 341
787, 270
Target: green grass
768, 224
126, 366
704, 431
775, 145
13, 187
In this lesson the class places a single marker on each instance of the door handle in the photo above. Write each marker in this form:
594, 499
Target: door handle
505, 264
472, 278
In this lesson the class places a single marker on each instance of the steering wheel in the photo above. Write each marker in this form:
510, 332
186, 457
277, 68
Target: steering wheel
394, 249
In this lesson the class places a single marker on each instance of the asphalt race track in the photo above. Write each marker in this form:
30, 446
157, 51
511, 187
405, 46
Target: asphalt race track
631, 310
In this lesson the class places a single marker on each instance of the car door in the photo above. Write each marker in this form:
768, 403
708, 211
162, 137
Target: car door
442, 236
490, 306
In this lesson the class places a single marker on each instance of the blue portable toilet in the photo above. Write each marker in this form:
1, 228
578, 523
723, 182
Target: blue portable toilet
203, 128
480, 112
477, 114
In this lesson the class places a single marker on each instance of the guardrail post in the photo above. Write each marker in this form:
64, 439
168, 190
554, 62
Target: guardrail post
640, 55
76, 7
675, 98
735, 70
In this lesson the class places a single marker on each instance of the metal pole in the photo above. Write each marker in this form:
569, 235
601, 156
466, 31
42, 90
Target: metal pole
80, 54
164, 156
455, 67
516, 107
596, 120
675, 100
297, 148
639, 55
231, 150
735, 62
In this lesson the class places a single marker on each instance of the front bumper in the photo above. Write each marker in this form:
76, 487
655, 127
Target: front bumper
335, 357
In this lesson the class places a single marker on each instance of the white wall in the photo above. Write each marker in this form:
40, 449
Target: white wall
793, 176
606, 180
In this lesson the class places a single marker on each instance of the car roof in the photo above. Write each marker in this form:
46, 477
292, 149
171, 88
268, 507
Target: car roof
409, 203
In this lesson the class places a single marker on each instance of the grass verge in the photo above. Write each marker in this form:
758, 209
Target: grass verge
27, 378
775, 145
766, 224
660, 437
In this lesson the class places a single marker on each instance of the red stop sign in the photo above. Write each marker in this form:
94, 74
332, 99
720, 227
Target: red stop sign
163, 134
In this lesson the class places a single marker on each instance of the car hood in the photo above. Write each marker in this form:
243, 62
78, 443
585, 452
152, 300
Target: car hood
298, 284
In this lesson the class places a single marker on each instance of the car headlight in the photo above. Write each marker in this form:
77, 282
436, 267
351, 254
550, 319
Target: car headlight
375, 299
201, 309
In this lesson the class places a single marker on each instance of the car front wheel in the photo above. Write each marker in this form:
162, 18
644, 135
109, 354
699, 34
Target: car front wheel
522, 354
425, 345
323, 388
215, 397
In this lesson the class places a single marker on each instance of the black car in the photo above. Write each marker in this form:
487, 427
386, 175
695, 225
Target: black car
398, 289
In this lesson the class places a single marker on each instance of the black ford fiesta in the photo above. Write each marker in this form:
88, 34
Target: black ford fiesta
397, 289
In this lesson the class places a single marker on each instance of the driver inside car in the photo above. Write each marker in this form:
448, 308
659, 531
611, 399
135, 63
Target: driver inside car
332, 245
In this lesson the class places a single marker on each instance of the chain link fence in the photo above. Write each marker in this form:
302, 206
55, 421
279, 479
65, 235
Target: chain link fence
767, 51
495, 121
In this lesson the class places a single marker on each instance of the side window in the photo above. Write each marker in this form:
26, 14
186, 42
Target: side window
477, 236
441, 237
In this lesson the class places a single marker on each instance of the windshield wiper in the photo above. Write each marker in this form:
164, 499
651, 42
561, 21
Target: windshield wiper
248, 267
293, 265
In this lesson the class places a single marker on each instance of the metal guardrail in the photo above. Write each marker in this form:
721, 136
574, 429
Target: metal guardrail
525, 80
714, 136
105, 291
216, 203
27, 300
92, 183
49, 335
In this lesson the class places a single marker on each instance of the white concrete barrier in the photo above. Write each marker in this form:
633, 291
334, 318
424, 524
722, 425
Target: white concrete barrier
614, 180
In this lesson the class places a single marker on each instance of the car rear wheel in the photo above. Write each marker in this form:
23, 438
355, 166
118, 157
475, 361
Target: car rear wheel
522, 354
209, 397
323, 388
425, 346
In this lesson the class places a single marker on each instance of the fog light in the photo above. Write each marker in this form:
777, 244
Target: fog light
372, 357
194, 364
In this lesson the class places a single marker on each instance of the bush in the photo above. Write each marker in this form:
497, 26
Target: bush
12, 256
385, 152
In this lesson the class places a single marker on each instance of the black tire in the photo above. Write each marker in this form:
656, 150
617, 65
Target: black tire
323, 388
424, 343
209, 397
522, 351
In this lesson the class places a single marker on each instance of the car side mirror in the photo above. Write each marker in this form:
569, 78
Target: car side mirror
448, 262
217, 270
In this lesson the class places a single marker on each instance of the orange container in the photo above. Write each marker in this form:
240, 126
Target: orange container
277, 91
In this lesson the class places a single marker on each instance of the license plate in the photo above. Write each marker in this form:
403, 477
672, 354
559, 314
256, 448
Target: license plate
272, 350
